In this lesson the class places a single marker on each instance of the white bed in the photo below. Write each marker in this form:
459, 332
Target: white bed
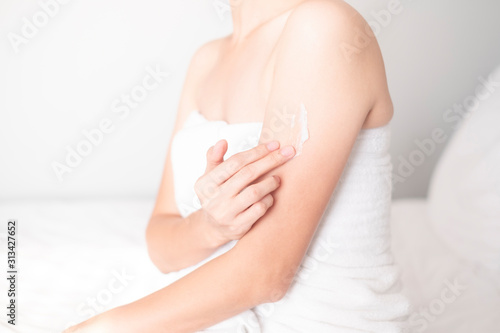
71, 252
449, 294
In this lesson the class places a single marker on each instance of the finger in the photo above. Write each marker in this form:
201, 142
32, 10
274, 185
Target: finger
254, 212
252, 171
215, 155
232, 165
256, 192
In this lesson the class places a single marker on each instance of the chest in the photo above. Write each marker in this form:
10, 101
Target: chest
237, 86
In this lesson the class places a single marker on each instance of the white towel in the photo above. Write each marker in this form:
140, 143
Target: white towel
348, 281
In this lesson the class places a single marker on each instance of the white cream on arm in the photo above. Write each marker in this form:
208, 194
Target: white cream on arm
286, 126
299, 131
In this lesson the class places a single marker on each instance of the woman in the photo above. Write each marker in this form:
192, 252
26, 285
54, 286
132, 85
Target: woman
305, 224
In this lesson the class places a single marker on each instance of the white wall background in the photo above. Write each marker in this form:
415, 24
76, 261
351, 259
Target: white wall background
69, 72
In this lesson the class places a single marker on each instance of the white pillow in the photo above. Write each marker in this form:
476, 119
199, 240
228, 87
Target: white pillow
464, 194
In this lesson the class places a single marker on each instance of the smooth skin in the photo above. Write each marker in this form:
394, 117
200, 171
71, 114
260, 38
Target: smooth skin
292, 54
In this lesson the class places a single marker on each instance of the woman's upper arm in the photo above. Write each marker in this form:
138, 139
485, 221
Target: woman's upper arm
200, 63
312, 70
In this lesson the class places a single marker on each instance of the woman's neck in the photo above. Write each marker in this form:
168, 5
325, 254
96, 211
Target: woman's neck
248, 15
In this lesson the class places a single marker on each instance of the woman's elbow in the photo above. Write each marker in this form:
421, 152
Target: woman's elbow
275, 293
275, 288
159, 262
155, 255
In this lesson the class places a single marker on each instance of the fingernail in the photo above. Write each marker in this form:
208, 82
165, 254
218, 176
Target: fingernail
287, 151
278, 179
273, 145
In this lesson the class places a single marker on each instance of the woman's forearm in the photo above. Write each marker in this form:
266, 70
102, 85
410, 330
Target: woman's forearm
222, 288
175, 243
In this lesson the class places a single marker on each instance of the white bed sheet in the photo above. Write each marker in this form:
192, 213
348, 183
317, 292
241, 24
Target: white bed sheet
76, 258
449, 294
71, 252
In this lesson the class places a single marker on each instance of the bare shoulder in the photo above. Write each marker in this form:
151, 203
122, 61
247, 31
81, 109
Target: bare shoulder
200, 64
205, 57
207, 54
324, 18
337, 37
330, 32
203, 61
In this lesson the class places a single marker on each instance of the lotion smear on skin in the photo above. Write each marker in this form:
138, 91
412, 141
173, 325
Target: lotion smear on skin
299, 131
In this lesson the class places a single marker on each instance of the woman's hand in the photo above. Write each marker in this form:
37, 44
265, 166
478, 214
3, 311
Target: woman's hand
230, 198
